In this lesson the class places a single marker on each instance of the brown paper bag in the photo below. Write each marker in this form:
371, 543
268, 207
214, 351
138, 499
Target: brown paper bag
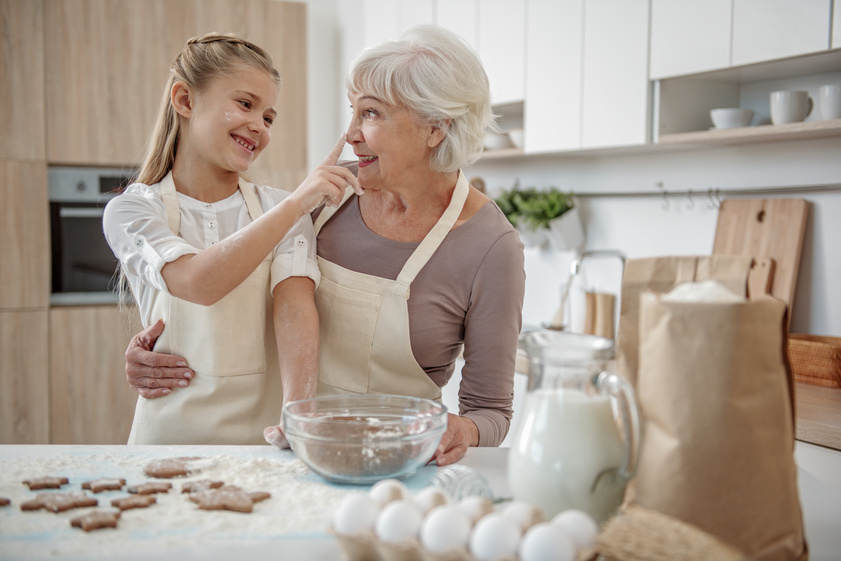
715, 391
660, 275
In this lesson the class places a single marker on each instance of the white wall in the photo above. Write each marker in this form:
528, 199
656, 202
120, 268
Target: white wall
639, 227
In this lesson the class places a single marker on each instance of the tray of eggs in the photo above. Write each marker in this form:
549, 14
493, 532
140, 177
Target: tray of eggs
390, 523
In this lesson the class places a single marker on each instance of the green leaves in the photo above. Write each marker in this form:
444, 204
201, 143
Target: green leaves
534, 207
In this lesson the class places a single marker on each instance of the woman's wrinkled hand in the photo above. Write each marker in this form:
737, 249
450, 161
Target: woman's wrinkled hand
153, 374
461, 434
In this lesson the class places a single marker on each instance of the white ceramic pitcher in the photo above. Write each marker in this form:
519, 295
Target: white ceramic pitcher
578, 437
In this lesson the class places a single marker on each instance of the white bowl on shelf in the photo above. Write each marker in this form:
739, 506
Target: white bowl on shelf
497, 141
517, 136
731, 117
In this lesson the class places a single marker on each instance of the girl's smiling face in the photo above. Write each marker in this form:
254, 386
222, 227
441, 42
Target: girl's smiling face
228, 123
389, 141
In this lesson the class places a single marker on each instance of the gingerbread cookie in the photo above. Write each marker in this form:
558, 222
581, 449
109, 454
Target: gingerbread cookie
104, 484
96, 520
200, 485
172, 467
49, 482
135, 501
228, 498
59, 502
4, 501
150, 488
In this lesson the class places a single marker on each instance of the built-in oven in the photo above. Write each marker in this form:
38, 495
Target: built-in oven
83, 265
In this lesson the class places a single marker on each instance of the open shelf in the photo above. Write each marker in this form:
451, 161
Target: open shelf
761, 133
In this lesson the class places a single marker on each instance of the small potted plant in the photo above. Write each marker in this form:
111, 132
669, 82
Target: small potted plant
543, 216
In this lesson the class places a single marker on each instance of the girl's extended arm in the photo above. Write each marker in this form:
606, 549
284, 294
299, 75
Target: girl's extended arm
206, 277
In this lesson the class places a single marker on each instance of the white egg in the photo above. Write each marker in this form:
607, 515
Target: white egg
386, 490
523, 513
444, 528
431, 497
397, 521
475, 507
579, 526
356, 513
546, 542
494, 536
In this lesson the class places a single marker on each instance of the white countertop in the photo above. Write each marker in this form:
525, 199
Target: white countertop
819, 482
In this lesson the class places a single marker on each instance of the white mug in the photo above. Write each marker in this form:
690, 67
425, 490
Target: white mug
830, 98
790, 106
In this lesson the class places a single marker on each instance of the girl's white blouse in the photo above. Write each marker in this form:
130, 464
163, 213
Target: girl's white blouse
136, 228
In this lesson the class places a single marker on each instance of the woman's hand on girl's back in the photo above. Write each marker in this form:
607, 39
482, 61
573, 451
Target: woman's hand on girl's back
327, 182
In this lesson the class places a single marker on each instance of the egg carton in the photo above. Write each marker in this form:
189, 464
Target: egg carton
365, 546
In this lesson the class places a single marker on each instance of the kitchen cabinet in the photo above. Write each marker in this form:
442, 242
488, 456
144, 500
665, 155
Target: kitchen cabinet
836, 25
22, 80
552, 110
25, 231
106, 66
502, 32
90, 400
587, 75
688, 37
459, 16
767, 30
24, 387
615, 90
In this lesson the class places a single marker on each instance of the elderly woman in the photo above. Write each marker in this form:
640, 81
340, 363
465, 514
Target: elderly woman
419, 266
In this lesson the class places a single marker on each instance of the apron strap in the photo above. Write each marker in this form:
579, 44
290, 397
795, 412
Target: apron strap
170, 200
252, 201
435, 236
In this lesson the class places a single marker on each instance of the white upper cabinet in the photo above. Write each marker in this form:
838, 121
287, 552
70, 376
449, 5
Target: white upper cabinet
773, 29
460, 17
615, 106
836, 25
552, 112
688, 36
502, 45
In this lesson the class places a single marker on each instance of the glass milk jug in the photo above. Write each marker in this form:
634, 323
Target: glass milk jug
576, 442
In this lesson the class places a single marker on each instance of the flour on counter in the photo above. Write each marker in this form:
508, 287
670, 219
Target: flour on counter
300, 505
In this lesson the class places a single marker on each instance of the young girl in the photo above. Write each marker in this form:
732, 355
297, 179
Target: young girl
227, 265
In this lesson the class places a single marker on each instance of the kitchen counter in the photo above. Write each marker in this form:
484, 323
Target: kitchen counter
184, 537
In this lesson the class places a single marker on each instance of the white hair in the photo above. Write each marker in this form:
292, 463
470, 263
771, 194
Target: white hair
439, 78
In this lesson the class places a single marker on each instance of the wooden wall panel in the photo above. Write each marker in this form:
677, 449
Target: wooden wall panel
24, 388
22, 132
90, 400
24, 231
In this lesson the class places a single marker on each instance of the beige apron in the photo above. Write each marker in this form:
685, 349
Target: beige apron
230, 345
364, 320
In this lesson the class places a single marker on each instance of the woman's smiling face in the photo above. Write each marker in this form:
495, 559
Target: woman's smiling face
389, 141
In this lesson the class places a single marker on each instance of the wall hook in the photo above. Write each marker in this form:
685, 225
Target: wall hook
691, 204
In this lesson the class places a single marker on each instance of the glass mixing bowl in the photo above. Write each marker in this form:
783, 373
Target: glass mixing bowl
360, 439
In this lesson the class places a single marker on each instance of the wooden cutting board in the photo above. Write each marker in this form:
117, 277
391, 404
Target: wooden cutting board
772, 228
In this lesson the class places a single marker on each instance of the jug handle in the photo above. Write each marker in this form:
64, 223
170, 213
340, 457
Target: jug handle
622, 391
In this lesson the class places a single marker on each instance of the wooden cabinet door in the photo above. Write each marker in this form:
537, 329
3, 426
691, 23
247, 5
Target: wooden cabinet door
22, 80
24, 387
552, 110
107, 63
615, 108
502, 44
25, 232
767, 30
688, 36
90, 400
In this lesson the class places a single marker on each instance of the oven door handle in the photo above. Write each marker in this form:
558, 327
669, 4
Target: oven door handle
70, 212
